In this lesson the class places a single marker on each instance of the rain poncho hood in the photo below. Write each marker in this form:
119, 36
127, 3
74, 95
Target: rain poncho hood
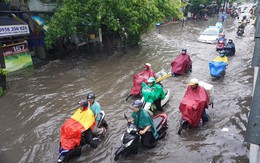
151, 94
144, 120
138, 79
181, 64
193, 104
71, 130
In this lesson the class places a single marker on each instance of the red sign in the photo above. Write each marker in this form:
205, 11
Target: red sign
15, 48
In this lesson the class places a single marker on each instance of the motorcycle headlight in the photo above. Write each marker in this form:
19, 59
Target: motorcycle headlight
128, 144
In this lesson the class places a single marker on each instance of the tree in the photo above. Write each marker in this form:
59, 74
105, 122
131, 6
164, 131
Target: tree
129, 17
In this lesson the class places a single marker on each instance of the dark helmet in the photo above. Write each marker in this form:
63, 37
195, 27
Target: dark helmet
83, 103
137, 104
91, 96
184, 49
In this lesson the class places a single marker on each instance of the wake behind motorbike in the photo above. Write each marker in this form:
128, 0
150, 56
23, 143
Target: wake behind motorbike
65, 154
131, 139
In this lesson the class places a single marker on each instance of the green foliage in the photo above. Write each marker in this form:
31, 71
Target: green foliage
133, 17
3, 72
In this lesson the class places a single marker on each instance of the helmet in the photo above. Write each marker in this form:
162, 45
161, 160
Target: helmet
83, 103
230, 40
194, 81
184, 49
147, 64
91, 96
151, 80
137, 104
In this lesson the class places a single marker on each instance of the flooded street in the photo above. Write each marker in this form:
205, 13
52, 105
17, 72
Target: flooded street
40, 100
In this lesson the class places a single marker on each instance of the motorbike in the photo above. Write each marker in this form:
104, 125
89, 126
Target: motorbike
131, 139
195, 117
240, 32
65, 154
220, 45
139, 78
218, 66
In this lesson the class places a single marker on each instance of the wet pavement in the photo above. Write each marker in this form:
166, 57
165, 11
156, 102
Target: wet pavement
40, 100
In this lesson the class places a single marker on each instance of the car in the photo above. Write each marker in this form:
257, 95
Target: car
210, 34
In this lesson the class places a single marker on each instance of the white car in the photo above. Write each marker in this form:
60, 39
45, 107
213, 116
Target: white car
210, 34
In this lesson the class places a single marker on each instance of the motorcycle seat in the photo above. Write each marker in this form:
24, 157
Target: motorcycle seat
157, 122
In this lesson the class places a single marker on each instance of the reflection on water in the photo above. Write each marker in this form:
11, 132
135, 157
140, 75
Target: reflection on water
40, 100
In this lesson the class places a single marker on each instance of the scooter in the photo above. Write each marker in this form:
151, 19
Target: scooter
131, 139
188, 119
217, 69
220, 45
65, 154
240, 32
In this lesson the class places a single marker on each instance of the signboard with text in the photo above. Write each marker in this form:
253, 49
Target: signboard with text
14, 30
17, 56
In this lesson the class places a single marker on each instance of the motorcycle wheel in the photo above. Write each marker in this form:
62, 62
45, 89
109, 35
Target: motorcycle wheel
116, 157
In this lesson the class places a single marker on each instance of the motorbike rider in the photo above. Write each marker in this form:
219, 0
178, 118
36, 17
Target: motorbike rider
139, 78
95, 107
182, 63
241, 27
87, 135
156, 94
194, 86
148, 69
231, 45
144, 122
222, 37
223, 16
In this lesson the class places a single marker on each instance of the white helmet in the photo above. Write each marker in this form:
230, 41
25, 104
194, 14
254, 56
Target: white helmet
148, 64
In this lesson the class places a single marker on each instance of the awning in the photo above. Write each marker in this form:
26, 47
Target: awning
12, 26
40, 21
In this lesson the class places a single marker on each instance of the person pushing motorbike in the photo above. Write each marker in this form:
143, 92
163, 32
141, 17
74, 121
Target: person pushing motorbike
144, 122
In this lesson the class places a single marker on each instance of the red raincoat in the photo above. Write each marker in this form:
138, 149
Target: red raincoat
193, 104
71, 130
138, 79
181, 64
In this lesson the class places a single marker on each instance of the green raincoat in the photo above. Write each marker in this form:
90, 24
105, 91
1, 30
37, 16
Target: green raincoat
152, 93
144, 120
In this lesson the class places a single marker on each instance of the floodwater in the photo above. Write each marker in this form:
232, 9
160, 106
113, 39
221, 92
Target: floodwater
39, 100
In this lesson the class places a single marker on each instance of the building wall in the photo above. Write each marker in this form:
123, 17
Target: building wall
37, 5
